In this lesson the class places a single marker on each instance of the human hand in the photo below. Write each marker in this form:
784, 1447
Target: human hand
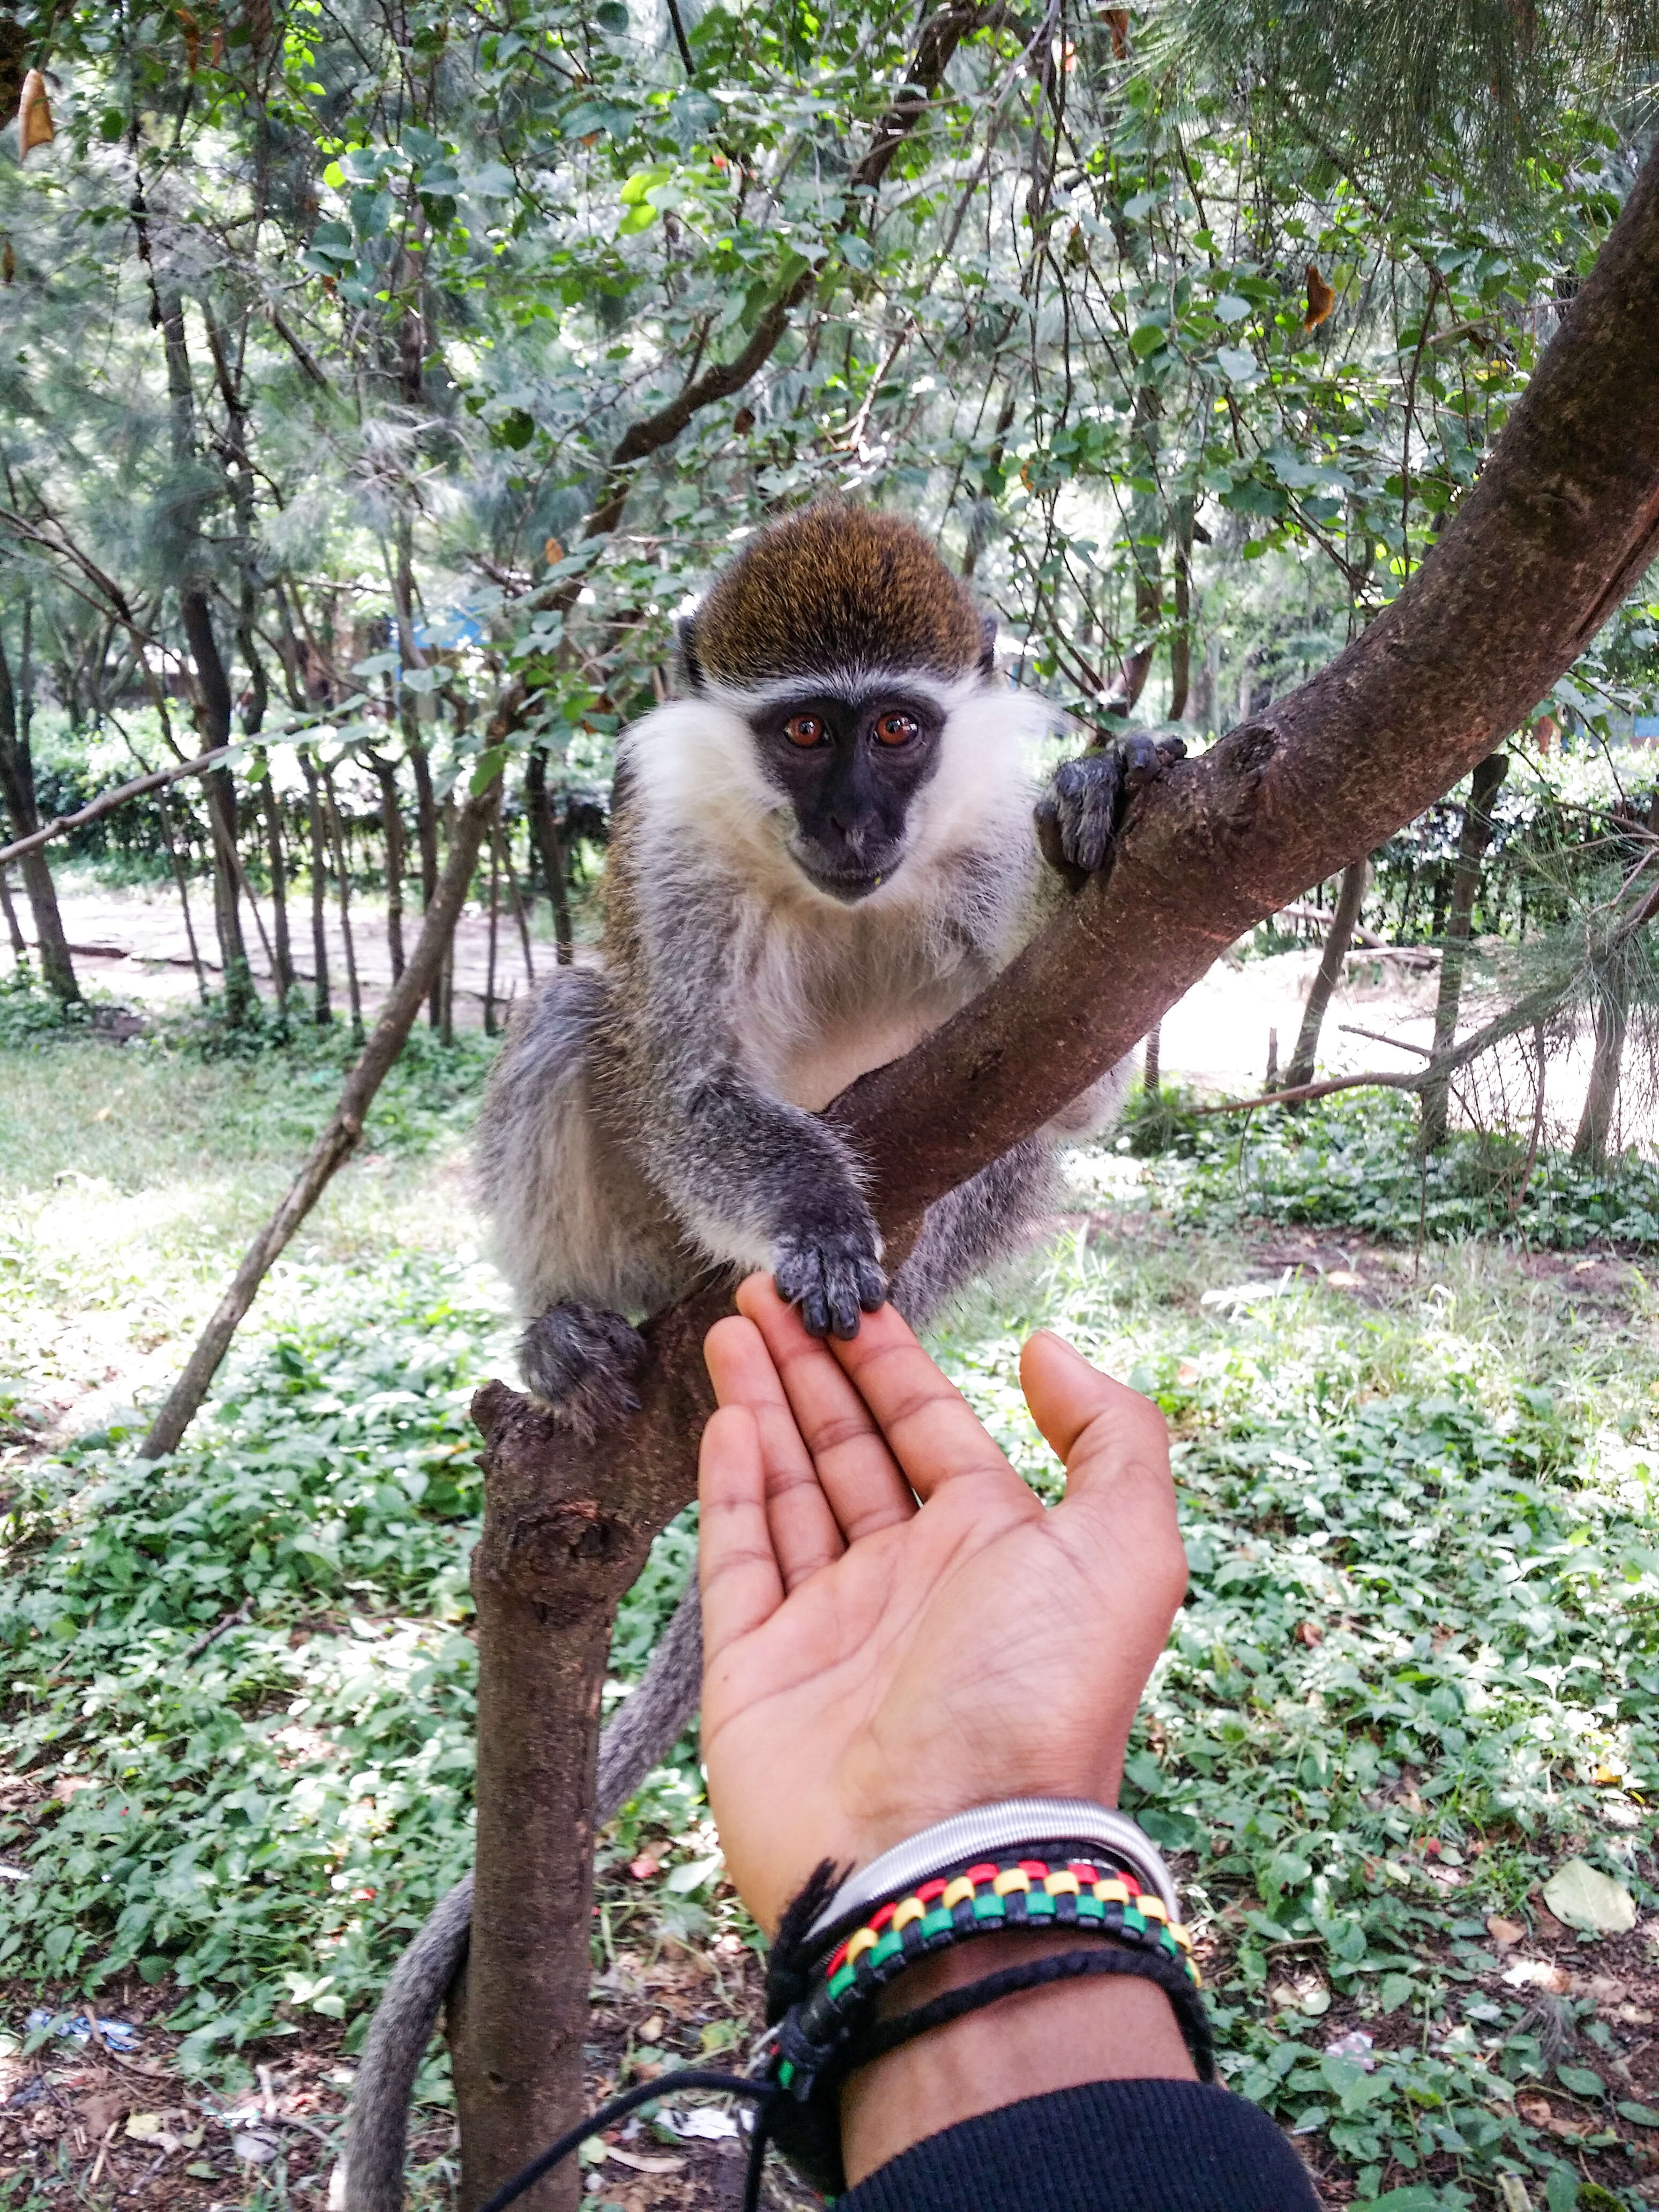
872, 1665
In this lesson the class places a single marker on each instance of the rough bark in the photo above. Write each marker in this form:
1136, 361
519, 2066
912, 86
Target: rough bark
1338, 938
338, 1140
1599, 1119
1473, 841
1564, 517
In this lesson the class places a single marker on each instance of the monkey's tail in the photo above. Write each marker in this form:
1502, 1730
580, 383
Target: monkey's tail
376, 2140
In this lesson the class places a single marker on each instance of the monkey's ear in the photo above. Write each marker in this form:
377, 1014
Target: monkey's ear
987, 645
685, 637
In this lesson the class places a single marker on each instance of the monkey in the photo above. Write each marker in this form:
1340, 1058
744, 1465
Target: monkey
830, 841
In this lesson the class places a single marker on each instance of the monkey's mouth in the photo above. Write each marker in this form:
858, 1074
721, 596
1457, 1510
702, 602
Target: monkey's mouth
848, 883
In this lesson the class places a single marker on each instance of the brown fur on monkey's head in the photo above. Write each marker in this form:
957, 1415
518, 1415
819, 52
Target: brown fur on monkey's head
835, 590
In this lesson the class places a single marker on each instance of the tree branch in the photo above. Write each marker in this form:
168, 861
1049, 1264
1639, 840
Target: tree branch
107, 801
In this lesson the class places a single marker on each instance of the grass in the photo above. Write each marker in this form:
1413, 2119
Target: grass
1416, 1670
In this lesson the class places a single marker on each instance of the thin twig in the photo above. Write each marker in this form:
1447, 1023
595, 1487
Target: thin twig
239, 1619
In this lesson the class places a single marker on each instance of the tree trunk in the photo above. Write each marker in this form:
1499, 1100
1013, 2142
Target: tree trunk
1597, 1121
1338, 937
504, 842
273, 825
1181, 645
20, 950
1472, 844
337, 1142
342, 883
391, 823
322, 1011
212, 683
179, 877
494, 916
545, 828
1562, 518
17, 783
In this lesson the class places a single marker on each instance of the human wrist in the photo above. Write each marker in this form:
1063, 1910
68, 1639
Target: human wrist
1055, 2037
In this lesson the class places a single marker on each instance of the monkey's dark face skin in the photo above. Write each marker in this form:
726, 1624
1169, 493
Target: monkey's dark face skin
851, 769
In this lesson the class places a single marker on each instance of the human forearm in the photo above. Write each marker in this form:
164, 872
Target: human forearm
1098, 2028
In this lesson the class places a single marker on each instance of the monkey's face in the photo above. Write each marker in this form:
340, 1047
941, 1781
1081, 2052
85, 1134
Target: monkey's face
851, 769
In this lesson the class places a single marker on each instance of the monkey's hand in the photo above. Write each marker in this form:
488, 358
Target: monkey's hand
830, 1268
1080, 814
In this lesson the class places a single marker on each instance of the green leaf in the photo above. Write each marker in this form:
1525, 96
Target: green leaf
515, 430
637, 219
633, 192
1147, 339
1229, 308
490, 767
1581, 2081
1640, 2116
1238, 365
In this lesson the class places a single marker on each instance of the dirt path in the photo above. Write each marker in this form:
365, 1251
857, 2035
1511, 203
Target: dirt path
132, 944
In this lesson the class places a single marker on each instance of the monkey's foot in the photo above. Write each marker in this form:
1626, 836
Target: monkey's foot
831, 1275
1080, 814
581, 1361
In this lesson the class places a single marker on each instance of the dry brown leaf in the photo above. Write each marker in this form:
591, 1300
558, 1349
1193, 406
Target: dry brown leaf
35, 124
1503, 1933
651, 2030
632, 2158
1118, 19
552, 552
66, 1785
1321, 299
100, 2112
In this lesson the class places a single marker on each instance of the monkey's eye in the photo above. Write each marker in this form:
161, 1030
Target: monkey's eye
897, 729
805, 730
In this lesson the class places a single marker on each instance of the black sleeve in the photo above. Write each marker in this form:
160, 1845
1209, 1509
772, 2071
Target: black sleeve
1107, 2147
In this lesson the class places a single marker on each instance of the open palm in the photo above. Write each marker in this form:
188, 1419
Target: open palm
894, 1627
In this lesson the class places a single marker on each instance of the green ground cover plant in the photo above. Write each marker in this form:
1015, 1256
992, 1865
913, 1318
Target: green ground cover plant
1415, 1672
1351, 1161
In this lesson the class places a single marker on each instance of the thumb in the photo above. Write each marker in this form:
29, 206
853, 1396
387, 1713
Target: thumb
1096, 1426
1115, 1446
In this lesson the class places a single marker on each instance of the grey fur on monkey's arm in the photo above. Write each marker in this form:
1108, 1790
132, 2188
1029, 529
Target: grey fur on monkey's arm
753, 1172
377, 2132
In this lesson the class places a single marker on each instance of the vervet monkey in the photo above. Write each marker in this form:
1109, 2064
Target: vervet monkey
834, 840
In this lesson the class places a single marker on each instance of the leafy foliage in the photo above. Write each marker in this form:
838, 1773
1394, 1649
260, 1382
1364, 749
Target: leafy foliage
1352, 1162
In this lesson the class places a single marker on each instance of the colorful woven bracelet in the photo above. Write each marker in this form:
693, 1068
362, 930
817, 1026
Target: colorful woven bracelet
954, 1906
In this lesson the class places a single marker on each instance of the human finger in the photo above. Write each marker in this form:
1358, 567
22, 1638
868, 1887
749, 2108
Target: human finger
737, 1566
858, 1475
931, 1429
804, 1534
1115, 1446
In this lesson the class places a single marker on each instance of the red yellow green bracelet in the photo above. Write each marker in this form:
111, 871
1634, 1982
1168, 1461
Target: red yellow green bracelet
1029, 1893
951, 1907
